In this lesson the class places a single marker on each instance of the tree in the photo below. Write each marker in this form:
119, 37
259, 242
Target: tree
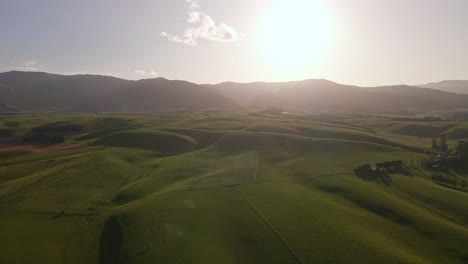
443, 143
435, 146
462, 150
425, 160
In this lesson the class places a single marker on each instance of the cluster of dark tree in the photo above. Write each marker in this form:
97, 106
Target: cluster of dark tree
461, 152
395, 166
444, 158
43, 138
459, 116
4, 132
367, 172
441, 145
381, 171
450, 180
422, 119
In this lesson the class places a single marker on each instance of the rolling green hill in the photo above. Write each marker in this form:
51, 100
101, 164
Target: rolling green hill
226, 187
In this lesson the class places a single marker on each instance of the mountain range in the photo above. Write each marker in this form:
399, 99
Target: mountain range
37, 91
459, 87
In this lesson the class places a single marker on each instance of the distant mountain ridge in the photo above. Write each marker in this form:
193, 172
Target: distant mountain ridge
322, 94
36, 91
454, 86
33, 91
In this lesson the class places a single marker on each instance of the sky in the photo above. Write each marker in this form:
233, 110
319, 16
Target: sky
360, 42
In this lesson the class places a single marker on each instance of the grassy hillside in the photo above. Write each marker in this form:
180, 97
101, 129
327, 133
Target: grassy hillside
165, 142
225, 187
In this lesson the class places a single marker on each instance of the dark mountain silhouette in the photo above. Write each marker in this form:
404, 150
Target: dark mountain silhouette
327, 95
459, 87
34, 91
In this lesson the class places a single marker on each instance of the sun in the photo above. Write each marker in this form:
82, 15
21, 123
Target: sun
294, 34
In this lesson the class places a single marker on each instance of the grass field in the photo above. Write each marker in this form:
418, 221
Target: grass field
225, 187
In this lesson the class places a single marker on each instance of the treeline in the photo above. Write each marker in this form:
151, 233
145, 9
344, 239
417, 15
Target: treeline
381, 171
459, 116
444, 158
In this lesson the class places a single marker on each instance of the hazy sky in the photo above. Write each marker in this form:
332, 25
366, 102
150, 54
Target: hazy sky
362, 42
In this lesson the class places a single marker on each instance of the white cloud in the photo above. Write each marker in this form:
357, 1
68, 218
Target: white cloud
173, 38
31, 65
146, 73
194, 4
34, 66
194, 17
205, 27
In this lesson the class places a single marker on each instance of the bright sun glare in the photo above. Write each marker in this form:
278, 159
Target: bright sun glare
294, 34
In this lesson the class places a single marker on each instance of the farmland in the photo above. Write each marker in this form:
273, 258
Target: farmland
244, 186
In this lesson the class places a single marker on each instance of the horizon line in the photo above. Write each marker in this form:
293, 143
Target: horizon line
225, 82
